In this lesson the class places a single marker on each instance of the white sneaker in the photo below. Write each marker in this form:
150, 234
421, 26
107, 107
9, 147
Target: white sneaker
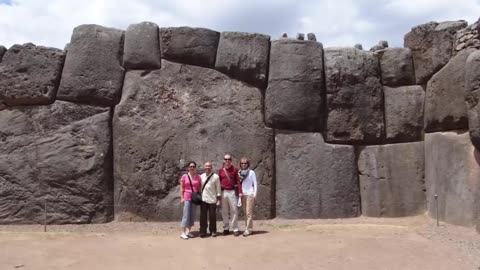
184, 236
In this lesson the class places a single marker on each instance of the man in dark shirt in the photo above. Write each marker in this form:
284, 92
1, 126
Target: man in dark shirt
229, 181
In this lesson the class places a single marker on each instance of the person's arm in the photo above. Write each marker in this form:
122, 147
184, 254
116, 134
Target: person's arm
239, 184
254, 179
181, 189
218, 189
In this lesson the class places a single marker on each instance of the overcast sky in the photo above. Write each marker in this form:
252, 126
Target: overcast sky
334, 22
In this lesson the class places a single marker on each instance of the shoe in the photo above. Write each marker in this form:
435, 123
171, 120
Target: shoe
184, 236
226, 232
247, 233
203, 235
190, 235
214, 234
236, 233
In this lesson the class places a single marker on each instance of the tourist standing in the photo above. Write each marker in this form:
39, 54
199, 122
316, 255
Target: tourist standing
229, 181
189, 182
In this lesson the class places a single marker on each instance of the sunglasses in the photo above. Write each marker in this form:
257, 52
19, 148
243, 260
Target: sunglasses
192, 166
227, 159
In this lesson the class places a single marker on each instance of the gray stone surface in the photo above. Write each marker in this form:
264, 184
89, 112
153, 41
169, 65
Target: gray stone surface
311, 36
3, 50
30, 74
392, 180
472, 96
60, 153
396, 65
244, 56
142, 46
300, 36
432, 45
314, 179
445, 107
187, 45
354, 97
404, 113
452, 170
93, 72
181, 113
294, 96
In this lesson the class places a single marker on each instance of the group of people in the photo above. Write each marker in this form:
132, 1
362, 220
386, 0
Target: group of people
230, 188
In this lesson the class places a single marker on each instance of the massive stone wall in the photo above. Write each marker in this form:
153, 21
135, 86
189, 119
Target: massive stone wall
104, 129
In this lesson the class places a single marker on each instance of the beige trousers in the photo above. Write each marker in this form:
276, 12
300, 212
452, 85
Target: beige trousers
248, 202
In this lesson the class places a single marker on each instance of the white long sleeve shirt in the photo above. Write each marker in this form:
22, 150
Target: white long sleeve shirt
249, 184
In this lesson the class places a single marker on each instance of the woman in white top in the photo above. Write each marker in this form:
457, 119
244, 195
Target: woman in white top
249, 190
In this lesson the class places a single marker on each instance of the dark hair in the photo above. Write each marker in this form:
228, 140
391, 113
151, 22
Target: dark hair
190, 162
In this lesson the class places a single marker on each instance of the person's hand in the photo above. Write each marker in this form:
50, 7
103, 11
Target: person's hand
182, 200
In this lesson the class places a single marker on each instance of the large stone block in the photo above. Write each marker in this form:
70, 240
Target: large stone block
93, 72
432, 45
3, 50
244, 56
142, 46
30, 74
396, 65
191, 46
445, 107
314, 179
294, 97
354, 97
404, 113
452, 171
472, 96
392, 180
60, 153
181, 113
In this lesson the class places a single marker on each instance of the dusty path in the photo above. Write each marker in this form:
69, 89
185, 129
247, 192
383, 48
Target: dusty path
361, 243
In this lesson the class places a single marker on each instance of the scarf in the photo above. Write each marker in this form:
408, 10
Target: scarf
243, 174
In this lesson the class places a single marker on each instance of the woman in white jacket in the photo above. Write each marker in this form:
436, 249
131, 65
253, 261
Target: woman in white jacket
249, 190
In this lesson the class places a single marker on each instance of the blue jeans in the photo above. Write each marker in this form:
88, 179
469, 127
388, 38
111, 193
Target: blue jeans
188, 214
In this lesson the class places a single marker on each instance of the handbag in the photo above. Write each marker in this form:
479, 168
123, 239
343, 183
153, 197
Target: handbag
196, 196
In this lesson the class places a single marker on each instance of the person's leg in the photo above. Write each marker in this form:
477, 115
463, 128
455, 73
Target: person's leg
185, 222
250, 201
193, 209
225, 207
234, 212
212, 215
244, 208
203, 218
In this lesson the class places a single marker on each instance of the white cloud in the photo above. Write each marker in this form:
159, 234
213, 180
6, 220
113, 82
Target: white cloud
335, 22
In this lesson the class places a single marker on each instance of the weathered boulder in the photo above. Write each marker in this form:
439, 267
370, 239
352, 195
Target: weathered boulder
30, 74
3, 50
93, 72
314, 179
403, 113
187, 45
244, 56
180, 113
452, 171
432, 46
60, 153
294, 96
396, 65
354, 97
472, 96
392, 182
142, 46
445, 107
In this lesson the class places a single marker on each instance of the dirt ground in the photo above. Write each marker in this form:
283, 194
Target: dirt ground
359, 243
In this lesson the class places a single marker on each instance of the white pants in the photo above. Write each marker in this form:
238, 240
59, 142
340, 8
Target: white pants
229, 202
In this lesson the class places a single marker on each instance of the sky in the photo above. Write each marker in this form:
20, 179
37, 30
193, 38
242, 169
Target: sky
334, 22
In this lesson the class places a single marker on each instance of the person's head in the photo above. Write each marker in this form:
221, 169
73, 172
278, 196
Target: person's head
227, 160
192, 166
244, 163
208, 167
